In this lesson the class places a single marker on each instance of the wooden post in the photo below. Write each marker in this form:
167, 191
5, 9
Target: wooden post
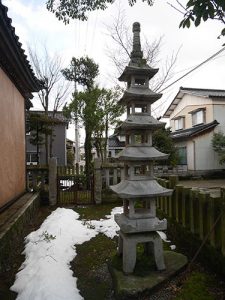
192, 198
201, 219
178, 197
115, 177
211, 220
52, 181
184, 206
173, 181
107, 177
42, 180
34, 180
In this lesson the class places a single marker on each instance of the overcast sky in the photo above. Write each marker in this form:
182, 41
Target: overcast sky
35, 25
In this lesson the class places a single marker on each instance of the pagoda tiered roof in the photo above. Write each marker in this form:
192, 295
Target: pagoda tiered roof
140, 121
141, 152
138, 69
139, 188
140, 93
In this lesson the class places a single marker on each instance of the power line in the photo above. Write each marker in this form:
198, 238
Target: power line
192, 70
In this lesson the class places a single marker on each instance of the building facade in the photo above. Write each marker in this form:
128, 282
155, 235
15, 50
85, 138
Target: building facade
17, 82
195, 115
58, 146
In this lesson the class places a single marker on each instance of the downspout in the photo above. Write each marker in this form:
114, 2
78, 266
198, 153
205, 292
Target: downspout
194, 155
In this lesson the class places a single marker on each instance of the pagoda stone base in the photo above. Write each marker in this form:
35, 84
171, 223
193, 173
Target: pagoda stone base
128, 248
131, 286
128, 225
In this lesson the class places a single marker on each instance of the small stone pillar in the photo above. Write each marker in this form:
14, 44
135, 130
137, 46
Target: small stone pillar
98, 181
52, 181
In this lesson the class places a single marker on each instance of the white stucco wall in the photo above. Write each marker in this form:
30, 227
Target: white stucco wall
191, 155
200, 154
188, 104
219, 115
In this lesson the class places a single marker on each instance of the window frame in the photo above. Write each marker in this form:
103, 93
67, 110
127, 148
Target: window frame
177, 121
194, 117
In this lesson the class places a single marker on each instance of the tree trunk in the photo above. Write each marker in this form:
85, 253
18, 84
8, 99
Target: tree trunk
106, 137
46, 136
51, 136
88, 155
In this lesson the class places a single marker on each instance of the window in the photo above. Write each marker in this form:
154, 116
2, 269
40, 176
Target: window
198, 117
182, 155
179, 123
31, 158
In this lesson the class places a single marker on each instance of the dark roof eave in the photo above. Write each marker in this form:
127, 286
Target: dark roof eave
192, 91
187, 135
13, 59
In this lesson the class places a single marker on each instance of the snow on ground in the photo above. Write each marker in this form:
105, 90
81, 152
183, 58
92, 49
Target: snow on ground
107, 226
45, 273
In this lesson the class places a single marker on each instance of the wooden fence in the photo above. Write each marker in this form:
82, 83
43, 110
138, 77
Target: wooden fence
37, 178
73, 188
198, 211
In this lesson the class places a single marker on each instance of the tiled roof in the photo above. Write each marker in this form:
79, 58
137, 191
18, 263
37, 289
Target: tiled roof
58, 115
114, 142
13, 59
203, 92
208, 93
193, 131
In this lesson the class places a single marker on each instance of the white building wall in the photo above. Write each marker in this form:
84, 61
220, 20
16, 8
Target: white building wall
206, 157
188, 104
219, 115
200, 154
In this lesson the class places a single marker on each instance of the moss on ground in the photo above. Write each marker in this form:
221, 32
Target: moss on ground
95, 212
197, 286
144, 264
94, 281
90, 267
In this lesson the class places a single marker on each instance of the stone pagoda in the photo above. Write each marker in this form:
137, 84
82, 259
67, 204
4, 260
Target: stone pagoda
138, 222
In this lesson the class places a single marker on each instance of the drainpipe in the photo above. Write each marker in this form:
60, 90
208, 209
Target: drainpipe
194, 154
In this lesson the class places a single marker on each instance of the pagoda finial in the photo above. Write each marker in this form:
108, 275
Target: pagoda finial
136, 54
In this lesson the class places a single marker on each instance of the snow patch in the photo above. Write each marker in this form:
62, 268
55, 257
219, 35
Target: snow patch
107, 226
45, 273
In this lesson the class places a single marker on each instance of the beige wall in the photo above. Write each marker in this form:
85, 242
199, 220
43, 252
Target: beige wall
188, 104
12, 141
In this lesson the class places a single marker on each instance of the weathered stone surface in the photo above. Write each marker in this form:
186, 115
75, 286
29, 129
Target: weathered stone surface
139, 226
128, 225
143, 121
140, 188
128, 248
12, 227
53, 181
141, 152
130, 286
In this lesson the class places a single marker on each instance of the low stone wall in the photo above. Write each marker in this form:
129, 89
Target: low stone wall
13, 222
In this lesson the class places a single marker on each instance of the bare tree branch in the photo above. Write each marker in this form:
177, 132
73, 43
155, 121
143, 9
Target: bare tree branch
119, 51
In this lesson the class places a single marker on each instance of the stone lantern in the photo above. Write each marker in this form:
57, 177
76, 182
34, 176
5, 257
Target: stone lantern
138, 222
